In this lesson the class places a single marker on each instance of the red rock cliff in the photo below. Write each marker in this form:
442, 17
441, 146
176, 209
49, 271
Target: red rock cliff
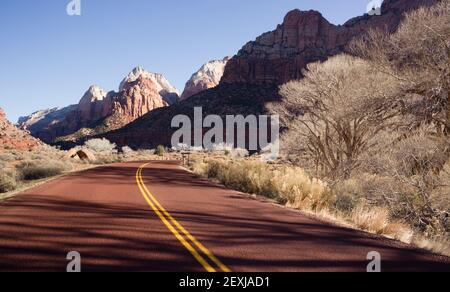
304, 37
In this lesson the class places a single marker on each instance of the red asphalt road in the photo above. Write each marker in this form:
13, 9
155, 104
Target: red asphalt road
102, 214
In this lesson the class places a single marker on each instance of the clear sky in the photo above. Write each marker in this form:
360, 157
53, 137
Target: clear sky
49, 59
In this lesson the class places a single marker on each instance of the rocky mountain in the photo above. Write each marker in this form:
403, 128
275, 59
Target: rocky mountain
163, 86
304, 37
14, 138
207, 77
41, 119
154, 128
99, 111
252, 77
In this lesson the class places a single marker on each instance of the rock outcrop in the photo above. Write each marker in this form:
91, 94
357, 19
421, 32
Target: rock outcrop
163, 86
41, 119
137, 98
13, 138
154, 128
91, 105
305, 37
207, 77
252, 77
97, 111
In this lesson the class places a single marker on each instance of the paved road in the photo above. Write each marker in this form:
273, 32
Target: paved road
159, 217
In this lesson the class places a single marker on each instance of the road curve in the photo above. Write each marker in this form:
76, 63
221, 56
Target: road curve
159, 217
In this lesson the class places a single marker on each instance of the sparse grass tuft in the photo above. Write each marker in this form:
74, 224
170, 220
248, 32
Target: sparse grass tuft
8, 181
373, 219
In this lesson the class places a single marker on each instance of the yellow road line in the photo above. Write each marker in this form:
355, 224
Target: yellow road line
168, 220
199, 245
182, 240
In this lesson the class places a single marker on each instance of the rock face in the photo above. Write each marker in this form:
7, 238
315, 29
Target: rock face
43, 124
98, 111
154, 128
163, 86
252, 77
14, 138
304, 37
137, 98
41, 119
207, 77
91, 105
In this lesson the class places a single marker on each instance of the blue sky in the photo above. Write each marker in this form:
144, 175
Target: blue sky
49, 59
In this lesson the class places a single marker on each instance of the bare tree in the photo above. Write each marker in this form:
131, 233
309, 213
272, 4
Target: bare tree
417, 56
346, 103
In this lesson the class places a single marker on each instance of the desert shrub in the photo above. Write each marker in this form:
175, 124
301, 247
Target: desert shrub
345, 203
102, 146
287, 185
8, 181
374, 219
34, 170
441, 195
418, 163
345, 103
249, 177
108, 159
299, 190
127, 150
417, 55
420, 153
160, 150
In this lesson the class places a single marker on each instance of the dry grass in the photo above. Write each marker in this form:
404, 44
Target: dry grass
284, 184
293, 187
373, 219
23, 169
39, 169
8, 181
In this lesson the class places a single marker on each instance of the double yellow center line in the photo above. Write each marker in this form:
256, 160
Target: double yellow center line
205, 257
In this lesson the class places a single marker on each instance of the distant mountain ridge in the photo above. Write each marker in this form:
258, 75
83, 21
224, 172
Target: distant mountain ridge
99, 111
